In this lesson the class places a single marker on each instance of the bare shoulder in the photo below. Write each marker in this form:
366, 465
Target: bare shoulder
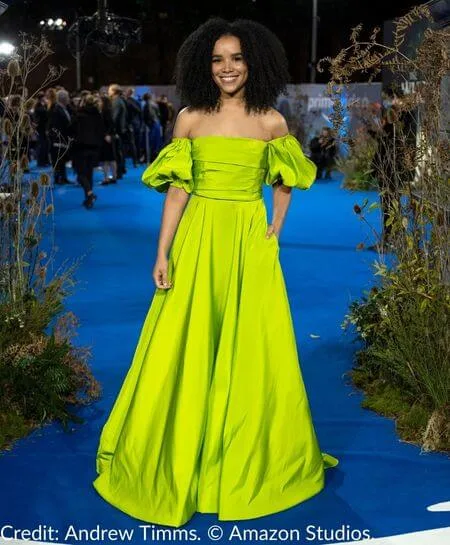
275, 123
185, 120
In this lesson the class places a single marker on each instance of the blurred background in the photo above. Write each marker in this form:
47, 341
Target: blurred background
165, 24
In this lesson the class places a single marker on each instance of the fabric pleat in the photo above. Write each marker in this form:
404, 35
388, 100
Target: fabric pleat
173, 166
287, 161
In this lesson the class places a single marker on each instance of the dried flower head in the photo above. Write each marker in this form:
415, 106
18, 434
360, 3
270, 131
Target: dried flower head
13, 168
34, 190
13, 69
26, 125
8, 127
24, 164
31, 241
44, 179
30, 104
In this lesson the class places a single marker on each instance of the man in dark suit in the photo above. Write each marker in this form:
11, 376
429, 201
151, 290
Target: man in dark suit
134, 116
60, 134
40, 119
120, 118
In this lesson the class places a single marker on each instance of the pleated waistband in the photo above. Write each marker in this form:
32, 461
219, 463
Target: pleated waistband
224, 181
228, 195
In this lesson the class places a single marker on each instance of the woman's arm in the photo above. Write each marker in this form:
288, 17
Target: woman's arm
281, 193
174, 205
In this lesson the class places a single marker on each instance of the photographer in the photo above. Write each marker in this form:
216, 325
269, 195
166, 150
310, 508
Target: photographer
323, 152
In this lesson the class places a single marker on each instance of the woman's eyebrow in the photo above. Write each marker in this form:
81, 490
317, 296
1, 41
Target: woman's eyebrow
233, 54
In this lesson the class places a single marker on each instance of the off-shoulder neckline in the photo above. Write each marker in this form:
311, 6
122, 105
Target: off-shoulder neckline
233, 138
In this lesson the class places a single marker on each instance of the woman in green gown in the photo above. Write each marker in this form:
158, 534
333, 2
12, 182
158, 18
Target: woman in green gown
213, 416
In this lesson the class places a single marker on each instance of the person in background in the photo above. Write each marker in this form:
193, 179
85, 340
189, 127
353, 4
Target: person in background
50, 101
170, 123
89, 133
75, 101
315, 149
323, 152
107, 156
32, 136
154, 140
50, 97
60, 133
40, 119
119, 114
134, 116
164, 114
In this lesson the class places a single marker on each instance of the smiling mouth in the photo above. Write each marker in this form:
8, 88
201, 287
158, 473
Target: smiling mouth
228, 79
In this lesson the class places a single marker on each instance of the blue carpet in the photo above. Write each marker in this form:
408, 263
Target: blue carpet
381, 484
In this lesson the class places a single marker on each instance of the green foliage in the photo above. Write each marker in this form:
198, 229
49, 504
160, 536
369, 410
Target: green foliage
404, 367
386, 399
357, 167
41, 379
12, 427
34, 316
412, 415
36, 384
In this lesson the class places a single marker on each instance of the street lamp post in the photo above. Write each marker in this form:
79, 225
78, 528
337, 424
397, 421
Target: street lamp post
314, 42
78, 55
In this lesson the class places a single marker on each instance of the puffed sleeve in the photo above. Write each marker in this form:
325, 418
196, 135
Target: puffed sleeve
287, 161
172, 166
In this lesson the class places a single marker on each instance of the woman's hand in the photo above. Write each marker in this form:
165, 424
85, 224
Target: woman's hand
272, 231
160, 271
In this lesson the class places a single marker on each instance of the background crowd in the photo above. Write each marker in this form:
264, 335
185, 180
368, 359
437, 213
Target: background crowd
91, 129
103, 128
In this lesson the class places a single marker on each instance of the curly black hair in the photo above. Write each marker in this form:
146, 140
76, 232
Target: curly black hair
268, 72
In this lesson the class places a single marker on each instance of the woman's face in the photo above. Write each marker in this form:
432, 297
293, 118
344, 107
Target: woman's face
229, 69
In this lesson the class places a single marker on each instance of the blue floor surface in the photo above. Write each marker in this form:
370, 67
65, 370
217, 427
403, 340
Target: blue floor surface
381, 484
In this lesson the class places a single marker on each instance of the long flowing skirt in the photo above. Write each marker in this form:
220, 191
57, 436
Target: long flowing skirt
213, 416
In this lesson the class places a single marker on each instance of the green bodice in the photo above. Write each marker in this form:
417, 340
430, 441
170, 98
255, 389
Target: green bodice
231, 168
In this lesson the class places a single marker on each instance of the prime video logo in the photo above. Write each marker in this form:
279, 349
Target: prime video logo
326, 103
319, 103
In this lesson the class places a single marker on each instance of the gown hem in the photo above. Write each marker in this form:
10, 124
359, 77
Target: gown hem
313, 488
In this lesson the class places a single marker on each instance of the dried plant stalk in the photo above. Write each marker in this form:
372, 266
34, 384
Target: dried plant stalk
24, 203
411, 165
40, 372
